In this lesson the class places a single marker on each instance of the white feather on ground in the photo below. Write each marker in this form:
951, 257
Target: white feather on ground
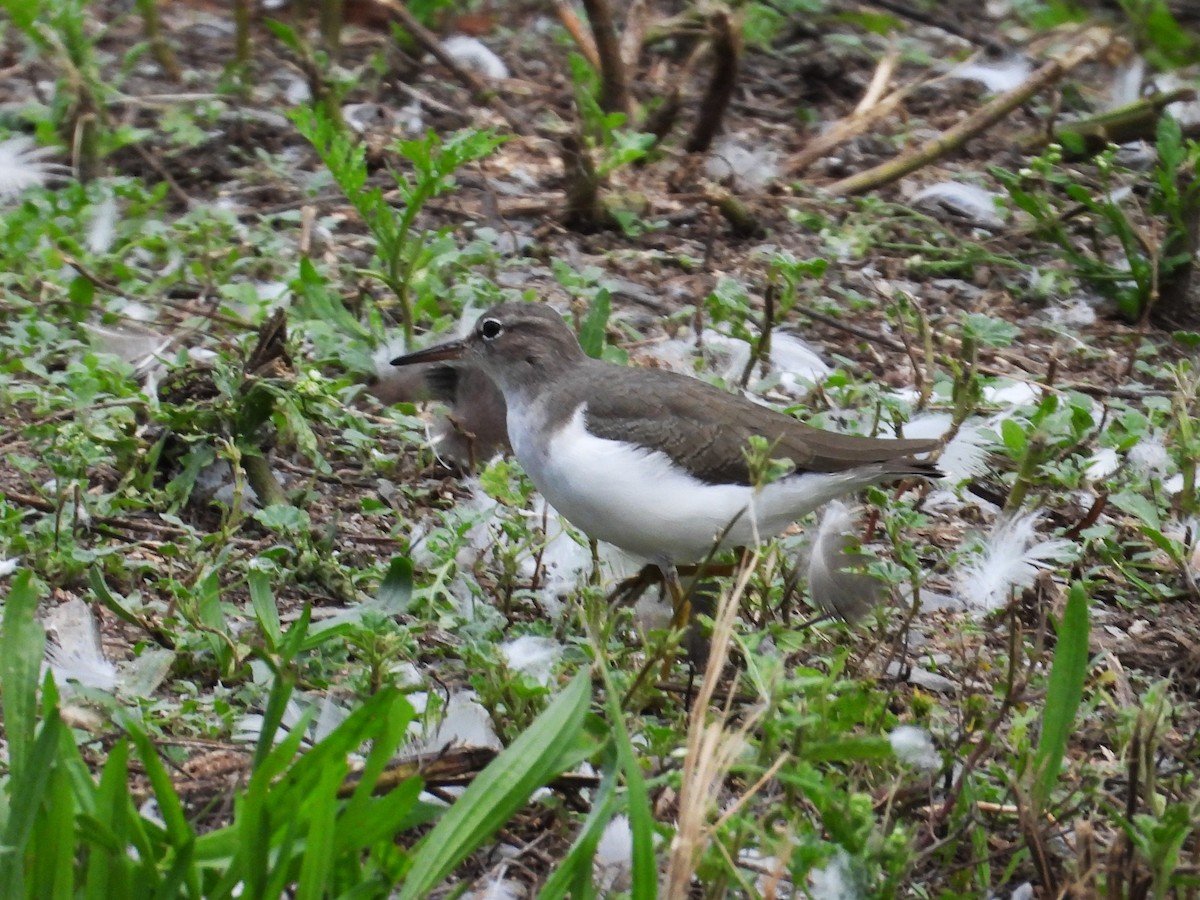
793, 363
1077, 312
835, 880
1011, 393
1102, 463
22, 165
464, 723
966, 456
1127, 81
330, 714
832, 583
102, 229
73, 651
1011, 557
613, 864
980, 206
913, 746
473, 54
996, 77
135, 344
1150, 456
751, 165
499, 888
533, 655
799, 366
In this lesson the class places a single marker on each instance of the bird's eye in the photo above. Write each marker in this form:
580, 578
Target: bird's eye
490, 329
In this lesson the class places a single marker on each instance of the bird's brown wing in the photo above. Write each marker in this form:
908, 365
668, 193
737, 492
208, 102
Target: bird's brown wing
707, 431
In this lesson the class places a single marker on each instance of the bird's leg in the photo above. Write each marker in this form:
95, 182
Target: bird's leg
630, 589
680, 601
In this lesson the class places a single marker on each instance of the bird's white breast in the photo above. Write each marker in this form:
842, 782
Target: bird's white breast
642, 502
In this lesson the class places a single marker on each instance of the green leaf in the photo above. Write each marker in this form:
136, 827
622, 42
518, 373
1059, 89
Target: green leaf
53, 850
1072, 141
283, 518
574, 873
170, 807
989, 331
1189, 340
263, 601
595, 324
848, 749
24, 14
540, 754
644, 872
396, 588
317, 859
22, 645
1014, 437
497, 480
28, 794
109, 868
285, 34
1139, 506
1065, 691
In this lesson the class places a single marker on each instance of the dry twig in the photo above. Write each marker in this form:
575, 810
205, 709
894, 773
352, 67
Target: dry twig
583, 40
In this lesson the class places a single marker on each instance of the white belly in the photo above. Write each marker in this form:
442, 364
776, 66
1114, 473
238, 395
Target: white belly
644, 504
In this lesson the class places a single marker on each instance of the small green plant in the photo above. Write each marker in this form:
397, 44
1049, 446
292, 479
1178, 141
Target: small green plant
599, 148
404, 252
605, 134
1149, 253
1166, 43
297, 823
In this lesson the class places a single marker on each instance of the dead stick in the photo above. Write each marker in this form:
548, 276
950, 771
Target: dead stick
1115, 126
846, 128
614, 89
1091, 44
879, 81
583, 40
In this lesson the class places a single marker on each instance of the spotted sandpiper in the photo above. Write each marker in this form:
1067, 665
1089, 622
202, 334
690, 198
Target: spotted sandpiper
658, 463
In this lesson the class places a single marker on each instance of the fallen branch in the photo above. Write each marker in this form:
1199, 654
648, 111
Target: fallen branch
1093, 42
866, 114
1130, 122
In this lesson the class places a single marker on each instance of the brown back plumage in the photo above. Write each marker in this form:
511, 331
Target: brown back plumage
707, 431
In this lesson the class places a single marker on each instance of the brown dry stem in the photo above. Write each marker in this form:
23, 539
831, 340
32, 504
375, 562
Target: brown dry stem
583, 40
159, 48
727, 50
584, 209
712, 749
614, 82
